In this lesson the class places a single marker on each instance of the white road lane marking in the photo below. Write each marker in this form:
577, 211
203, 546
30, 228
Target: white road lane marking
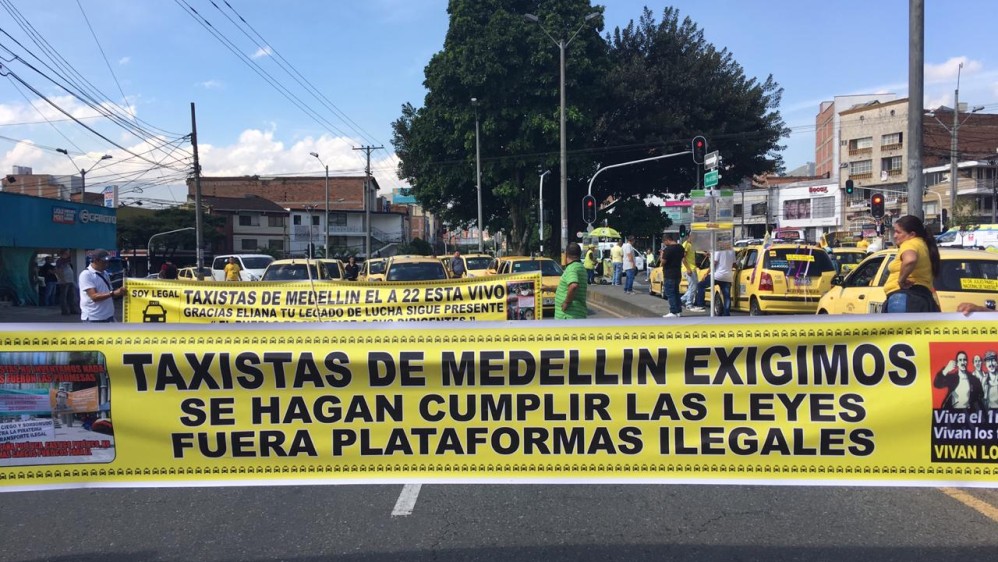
407, 500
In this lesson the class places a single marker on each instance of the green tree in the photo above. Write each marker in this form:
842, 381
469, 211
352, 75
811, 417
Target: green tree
632, 215
493, 54
137, 226
666, 85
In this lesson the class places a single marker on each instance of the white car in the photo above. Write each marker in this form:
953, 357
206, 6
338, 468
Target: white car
251, 266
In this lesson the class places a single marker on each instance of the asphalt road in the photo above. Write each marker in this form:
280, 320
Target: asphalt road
499, 522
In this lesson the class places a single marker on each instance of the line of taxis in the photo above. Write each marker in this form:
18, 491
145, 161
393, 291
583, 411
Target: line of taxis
800, 278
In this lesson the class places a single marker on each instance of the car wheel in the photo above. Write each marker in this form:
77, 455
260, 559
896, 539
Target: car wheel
718, 304
822, 311
754, 309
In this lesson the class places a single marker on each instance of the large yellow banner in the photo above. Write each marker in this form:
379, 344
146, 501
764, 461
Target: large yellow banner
791, 400
495, 297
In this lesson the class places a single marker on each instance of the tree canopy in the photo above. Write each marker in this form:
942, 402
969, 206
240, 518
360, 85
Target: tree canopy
641, 91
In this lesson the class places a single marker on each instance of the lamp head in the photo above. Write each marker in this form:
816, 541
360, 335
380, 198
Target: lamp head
63, 151
592, 15
106, 157
316, 154
531, 17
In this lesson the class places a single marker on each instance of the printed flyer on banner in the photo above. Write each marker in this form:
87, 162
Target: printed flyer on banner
791, 400
494, 297
55, 408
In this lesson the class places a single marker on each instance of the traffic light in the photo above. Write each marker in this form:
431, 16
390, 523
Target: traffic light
589, 209
682, 230
849, 187
877, 205
699, 147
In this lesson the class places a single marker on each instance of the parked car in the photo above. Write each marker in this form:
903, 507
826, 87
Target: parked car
702, 269
252, 266
964, 276
414, 268
780, 278
295, 269
846, 258
373, 270
334, 268
190, 273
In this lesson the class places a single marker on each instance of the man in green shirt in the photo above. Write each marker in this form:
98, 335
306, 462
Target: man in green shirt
570, 299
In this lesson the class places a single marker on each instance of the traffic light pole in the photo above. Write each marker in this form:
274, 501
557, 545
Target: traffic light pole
622, 164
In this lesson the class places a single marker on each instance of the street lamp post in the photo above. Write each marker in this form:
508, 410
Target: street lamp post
478, 177
954, 138
540, 214
83, 172
562, 45
325, 245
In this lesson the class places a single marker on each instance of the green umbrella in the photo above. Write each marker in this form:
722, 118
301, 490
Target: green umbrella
604, 232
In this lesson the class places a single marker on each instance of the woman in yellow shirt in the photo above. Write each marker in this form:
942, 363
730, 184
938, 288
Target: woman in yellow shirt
909, 285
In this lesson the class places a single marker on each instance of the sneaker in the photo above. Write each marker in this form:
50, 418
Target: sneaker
672, 315
695, 308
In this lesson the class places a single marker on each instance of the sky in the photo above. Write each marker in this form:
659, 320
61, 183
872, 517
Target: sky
348, 66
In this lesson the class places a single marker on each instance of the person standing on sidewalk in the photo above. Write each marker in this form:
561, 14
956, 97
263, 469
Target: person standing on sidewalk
47, 271
96, 293
590, 264
630, 265
570, 297
672, 266
617, 259
690, 272
66, 284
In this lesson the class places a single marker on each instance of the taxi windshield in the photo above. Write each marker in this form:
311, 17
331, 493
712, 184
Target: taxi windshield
478, 263
416, 271
546, 267
799, 261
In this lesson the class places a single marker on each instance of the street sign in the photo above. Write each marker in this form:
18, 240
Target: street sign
710, 178
710, 161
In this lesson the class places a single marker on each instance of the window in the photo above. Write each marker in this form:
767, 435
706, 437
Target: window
758, 209
891, 165
337, 219
315, 220
863, 275
249, 220
276, 244
277, 221
738, 210
296, 220
249, 244
861, 167
860, 144
823, 207
892, 140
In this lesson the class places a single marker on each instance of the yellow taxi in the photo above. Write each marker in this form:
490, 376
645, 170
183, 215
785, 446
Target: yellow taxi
334, 268
372, 270
780, 278
846, 258
190, 274
550, 275
414, 268
295, 269
964, 276
475, 265
702, 269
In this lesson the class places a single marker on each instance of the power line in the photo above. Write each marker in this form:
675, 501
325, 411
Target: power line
124, 98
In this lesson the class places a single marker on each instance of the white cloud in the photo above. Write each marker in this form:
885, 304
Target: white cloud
23, 112
262, 52
211, 84
947, 71
124, 60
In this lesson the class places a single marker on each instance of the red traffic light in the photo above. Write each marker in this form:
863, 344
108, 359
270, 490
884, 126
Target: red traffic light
589, 209
877, 205
699, 149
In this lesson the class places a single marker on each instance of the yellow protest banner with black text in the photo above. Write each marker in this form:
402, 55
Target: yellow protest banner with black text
794, 400
496, 297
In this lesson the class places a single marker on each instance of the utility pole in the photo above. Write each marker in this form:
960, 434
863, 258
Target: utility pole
199, 234
953, 145
916, 105
367, 203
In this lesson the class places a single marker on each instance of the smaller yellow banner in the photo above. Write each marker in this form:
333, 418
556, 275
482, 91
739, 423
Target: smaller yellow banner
968, 284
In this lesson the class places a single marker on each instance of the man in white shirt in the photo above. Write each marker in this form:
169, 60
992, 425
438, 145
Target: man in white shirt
630, 266
96, 293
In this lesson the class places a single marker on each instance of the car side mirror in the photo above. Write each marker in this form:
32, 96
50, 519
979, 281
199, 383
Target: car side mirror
837, 281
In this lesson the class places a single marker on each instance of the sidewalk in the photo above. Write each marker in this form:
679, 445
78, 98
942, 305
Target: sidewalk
43, 314
637, 305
